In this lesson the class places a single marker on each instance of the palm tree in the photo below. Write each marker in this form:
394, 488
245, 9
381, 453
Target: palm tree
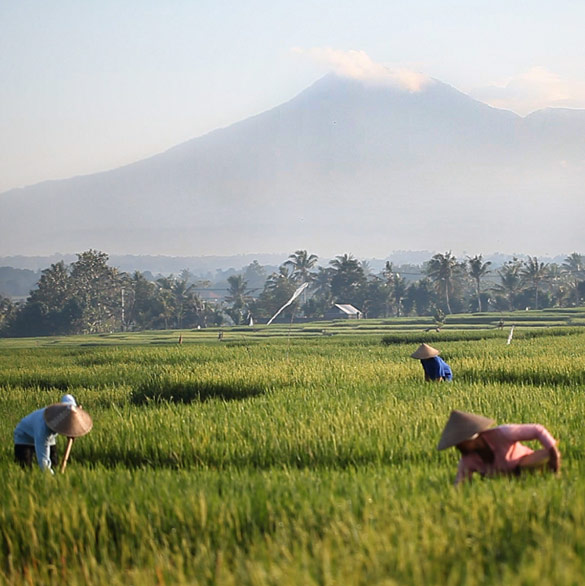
442, 270
348, 277
140, 301
477, 269
237, 296
237, 290
184, 298
399, 293
396, 287
573, 269
278, 289
283, 277
510, 281
534, 273
176, 296
301, 264
574, 264
322, 284
420, 296
165, 298
560, 286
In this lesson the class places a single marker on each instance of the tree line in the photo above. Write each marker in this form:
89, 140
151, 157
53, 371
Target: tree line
89, 296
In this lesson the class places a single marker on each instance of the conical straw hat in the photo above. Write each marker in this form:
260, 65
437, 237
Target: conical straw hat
67, 419
425, 351
462, 426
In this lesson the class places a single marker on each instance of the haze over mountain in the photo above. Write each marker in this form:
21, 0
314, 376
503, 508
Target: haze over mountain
346, 166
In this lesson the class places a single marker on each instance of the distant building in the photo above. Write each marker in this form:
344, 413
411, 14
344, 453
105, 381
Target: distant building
209, 296
343, 311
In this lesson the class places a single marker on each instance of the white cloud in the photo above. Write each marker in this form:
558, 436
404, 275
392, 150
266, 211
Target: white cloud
533, 90
358, 65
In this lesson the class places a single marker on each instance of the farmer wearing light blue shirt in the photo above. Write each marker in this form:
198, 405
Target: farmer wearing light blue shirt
435, 368
33, 436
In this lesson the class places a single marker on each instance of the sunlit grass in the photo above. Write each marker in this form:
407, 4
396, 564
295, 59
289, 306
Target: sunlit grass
291, 461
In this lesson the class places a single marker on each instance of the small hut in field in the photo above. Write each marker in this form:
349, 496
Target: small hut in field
343, 311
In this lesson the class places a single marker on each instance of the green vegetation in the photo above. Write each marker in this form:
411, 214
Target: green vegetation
89, 296
282, 456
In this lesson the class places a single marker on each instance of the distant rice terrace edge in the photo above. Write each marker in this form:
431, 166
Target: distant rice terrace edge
399, 330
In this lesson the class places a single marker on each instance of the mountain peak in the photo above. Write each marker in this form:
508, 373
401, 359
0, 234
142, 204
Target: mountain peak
345, 165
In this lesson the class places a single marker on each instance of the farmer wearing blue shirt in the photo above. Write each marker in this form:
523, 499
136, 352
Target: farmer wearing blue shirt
36, 433
435, 368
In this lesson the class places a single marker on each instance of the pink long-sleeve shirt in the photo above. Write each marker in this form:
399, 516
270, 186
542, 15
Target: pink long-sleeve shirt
505, 444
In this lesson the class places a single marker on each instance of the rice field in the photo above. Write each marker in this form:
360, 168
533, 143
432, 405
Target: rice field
285, 456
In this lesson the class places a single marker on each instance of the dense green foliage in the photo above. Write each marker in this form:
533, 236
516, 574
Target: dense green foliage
89, 296
283, 456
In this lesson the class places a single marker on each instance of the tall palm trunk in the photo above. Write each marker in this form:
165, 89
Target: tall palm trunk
478, 296
447, 297
536, 297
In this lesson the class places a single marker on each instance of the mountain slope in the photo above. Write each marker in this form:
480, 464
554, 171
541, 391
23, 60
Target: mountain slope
344, 166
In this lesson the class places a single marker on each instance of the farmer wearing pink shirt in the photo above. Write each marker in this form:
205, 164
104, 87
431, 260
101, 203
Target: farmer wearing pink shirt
492, 451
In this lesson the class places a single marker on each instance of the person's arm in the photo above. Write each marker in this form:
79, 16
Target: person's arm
554, 462
43, 447
464, 473
550, 453
443, 371
540, 458
520, 432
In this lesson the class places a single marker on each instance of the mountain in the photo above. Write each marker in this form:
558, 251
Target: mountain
345, 166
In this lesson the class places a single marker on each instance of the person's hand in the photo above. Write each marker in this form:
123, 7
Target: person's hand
554, 461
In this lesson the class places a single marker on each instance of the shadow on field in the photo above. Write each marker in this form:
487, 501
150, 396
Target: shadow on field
192, 391
43, 383
155, 457
523, 378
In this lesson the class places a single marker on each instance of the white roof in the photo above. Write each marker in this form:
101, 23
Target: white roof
347, 308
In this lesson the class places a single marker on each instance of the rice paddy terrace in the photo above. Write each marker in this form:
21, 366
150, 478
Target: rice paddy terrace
295, 454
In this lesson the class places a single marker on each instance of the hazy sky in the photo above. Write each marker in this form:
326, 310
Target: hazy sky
92, 85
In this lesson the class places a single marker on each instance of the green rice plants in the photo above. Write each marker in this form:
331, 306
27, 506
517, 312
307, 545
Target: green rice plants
291, 460
167, 389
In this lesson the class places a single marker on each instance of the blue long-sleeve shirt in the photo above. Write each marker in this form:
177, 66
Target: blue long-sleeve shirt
436, 368
33, 431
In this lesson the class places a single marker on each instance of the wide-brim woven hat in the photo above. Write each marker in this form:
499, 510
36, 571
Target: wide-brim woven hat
425, 351
462, 426
67, 419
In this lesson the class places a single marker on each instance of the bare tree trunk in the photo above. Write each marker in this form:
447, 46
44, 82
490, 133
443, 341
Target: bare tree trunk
447, 298
478, 296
